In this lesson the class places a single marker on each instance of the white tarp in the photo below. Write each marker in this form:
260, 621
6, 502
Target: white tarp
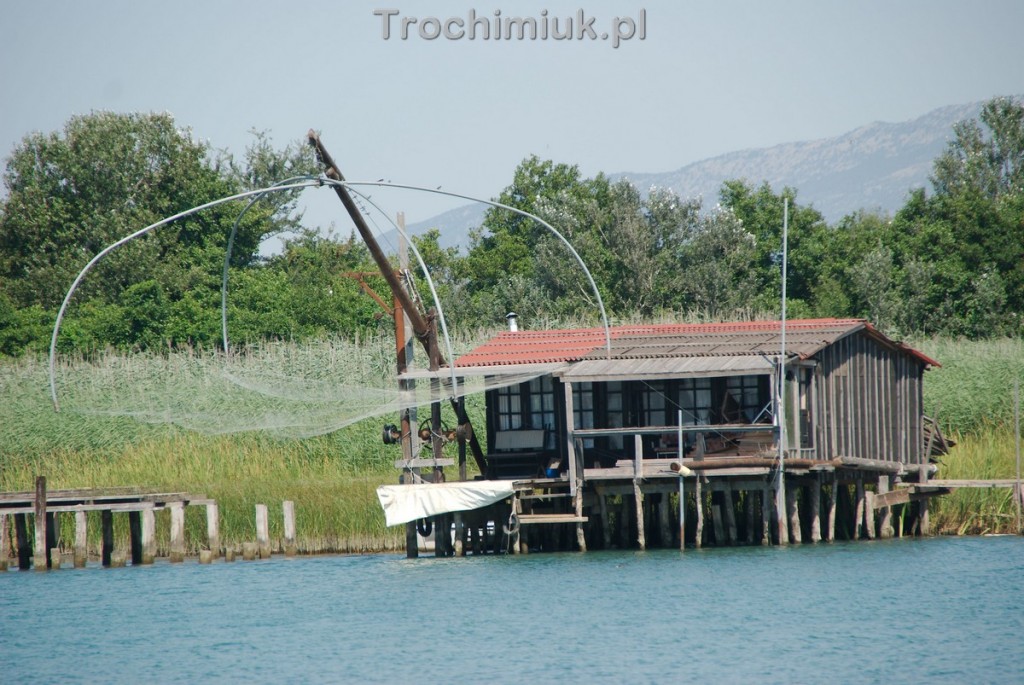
404, 503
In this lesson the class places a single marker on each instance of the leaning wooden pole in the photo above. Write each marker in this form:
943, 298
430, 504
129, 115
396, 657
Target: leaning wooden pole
419, 322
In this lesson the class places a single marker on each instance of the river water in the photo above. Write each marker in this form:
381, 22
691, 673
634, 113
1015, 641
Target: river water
934, 610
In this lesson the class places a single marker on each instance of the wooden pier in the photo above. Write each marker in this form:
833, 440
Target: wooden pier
47, 508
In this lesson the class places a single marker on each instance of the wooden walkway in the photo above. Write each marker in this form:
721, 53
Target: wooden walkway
46, 506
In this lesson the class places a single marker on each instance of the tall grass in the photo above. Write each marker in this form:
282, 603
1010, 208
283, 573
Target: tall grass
98, 441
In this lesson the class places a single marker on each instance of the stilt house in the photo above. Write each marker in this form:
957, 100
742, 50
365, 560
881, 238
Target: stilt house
619, 419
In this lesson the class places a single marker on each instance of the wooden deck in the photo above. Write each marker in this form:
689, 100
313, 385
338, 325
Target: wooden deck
141, 506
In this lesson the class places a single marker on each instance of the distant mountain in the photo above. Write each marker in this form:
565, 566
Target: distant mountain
873, 167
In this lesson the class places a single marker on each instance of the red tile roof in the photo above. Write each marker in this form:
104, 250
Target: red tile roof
804, 337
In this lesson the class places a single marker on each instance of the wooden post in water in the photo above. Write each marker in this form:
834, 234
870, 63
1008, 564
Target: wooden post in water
781, 508
858, 515
135, 532
793, 507
213, 528
729, 509
766, 515
262, 531
830, 530
148, 536
869, 514
81, 539
53, 539
581, 538
698, 494
40, 556
3, 542
248, 551
606, 529
638, 471
664, 529
885, 528
816, 508
177, 531
107, 529
21, 535
288, 509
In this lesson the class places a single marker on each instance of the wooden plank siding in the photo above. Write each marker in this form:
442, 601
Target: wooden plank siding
871, 402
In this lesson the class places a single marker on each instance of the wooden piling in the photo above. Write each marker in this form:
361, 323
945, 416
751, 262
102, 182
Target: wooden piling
81, 539
107, 526
21, 536
815, 507
766, 515
858, 514
135, 533
288, 510
869, 514
460, 532
830, 528
148, 536
664, 529
213, 528
3, 542
793, 509
716, 519
53, 539
781, 520
581, 538
922, 477
249, 551
606, 528
729, 509
117, 559
699, 499
229, 553
885, 527
40, 555
262, 531
205, 556
177, 531
750, 516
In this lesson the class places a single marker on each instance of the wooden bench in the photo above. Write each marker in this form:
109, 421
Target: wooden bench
517, 454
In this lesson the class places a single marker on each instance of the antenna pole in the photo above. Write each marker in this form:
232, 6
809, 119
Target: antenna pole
780, 494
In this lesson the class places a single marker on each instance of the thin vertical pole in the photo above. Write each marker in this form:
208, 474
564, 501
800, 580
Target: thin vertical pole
682, 487
1016, 438
41, 555
780, 394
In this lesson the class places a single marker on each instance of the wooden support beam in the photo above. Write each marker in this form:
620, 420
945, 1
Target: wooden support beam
107, 530
664, 529
869, 514
288, 511
766, 515
750, 515
699, 499
40, 556
858, 515
81, 539
148, 536
781, 520
135, 536
830, 530
885, 527
922, 477
638, 495
581, 538
21, 536
3, 542
793, 509
53, 539
177, 532
816, 508
262, 531
606, 529
213, 528
728, 508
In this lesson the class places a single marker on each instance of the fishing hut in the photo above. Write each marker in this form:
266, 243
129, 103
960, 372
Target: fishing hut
695, 434
770, 432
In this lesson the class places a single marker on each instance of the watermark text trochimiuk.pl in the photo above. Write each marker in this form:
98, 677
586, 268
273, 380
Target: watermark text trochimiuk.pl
495, 26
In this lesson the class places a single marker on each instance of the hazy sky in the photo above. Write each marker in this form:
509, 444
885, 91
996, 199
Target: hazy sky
708, 78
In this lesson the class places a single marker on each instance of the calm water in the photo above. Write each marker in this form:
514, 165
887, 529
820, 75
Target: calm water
938, 610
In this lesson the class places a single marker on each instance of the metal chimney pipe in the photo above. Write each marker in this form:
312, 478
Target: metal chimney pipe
513, 321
